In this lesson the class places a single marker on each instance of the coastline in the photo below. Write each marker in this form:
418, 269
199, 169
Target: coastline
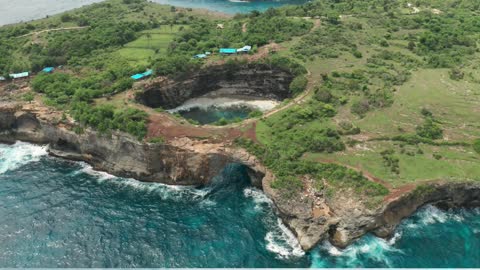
195, 163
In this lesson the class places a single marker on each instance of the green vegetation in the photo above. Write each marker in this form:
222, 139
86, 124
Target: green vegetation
476, 145
392, 90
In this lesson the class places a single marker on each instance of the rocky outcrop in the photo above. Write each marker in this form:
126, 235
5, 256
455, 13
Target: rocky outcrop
181, 162
343, 218
250, 80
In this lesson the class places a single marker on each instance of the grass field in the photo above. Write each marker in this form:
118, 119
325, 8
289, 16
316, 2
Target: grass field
150, 43
454, 104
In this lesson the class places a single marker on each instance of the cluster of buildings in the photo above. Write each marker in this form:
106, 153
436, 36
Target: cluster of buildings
139, 76
225, 51
25, 74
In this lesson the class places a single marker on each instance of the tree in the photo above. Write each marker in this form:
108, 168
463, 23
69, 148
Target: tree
149, 38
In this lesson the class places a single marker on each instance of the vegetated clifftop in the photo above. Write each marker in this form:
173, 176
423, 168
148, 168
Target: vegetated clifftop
312, 216
344, 218
247, 80
181, 162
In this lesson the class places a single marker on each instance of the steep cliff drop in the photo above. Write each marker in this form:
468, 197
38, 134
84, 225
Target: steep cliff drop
220, 91
184, 161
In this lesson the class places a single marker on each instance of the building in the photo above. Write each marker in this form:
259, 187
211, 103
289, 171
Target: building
200, 56
228, 51
139, 76
245, 49
2, 78
48, 69
19, 75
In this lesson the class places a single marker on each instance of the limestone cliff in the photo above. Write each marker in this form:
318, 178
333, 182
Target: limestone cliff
312, 216
249, 80
180, 162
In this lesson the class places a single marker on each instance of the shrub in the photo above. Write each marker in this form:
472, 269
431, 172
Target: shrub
476, 145
426, 113
456, 74
157, 140
323, 94
298, 85
430, 130
360, 108
357, 54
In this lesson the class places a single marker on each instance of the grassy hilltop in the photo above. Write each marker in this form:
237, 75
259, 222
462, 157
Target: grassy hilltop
387, 92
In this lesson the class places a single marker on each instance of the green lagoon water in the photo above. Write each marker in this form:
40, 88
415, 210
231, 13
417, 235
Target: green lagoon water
213, 114
55, 213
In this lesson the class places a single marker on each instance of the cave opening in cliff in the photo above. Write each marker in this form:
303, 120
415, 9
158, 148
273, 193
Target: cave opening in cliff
220, 94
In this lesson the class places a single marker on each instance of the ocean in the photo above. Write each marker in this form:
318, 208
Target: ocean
56, 213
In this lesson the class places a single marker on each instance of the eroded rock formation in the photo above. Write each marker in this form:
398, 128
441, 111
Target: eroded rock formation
311, 216
252, 80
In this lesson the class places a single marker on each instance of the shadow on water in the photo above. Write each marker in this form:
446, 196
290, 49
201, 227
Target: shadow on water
62, 214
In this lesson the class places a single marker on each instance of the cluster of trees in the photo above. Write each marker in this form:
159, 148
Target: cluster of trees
76, 94
261, 28
288, 172
106, 118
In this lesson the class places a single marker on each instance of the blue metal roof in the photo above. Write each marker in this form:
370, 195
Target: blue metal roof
228, 50
137, 76
48, 69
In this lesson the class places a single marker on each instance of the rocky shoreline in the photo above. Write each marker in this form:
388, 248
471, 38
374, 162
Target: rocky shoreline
312, 217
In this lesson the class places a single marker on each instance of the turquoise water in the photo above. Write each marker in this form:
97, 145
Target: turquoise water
213, 114
232, 6
55, 213
26, 10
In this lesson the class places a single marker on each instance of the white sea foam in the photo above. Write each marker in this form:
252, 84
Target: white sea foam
258, 197
19, 154
282, 242
431, 214
395, 238
223, 102
375, 248
164, 191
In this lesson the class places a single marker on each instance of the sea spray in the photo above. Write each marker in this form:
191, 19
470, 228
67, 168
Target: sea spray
14, 156
430, 238
65, 214
279, 239
166, 192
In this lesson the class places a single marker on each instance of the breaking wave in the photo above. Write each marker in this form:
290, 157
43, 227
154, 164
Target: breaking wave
14, 156
411, 243
166, 192
279, 239
282, 242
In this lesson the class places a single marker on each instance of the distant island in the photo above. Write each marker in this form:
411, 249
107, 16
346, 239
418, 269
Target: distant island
348, 115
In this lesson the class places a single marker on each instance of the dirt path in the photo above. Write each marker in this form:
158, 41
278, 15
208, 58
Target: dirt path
53, 30
244, 28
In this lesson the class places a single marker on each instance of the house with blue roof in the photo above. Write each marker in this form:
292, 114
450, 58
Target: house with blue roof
228, 51
48, 69
139, 76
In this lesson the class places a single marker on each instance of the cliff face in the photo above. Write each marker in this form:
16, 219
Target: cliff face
253, 80
343, 219
312, 217
181, 162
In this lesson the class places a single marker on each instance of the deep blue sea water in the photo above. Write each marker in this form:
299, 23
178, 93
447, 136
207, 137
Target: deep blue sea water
55, 213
